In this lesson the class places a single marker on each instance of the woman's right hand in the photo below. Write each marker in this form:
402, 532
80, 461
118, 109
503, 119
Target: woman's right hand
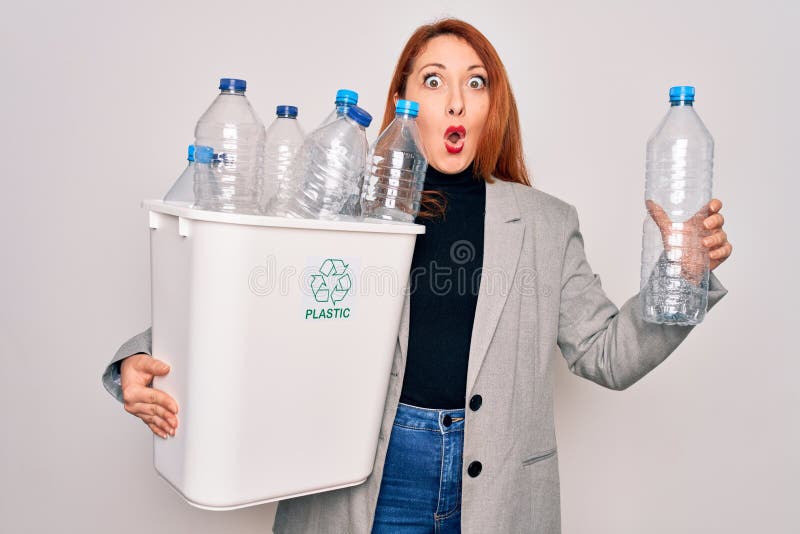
157, 409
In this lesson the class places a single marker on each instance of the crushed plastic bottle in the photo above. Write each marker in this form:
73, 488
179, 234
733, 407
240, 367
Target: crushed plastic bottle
329, 166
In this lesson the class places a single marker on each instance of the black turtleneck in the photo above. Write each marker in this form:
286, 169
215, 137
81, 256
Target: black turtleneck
444, 281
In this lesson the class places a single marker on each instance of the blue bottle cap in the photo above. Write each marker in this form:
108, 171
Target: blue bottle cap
407, 107
190, 150
681, 93
286, 111
203, 154
232, 84
346, 96
360, 116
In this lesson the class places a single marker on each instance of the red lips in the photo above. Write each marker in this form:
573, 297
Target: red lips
454, 139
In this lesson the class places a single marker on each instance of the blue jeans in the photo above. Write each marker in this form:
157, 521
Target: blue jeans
421, 485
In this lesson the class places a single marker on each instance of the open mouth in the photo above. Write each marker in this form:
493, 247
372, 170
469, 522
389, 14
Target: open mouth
454, 139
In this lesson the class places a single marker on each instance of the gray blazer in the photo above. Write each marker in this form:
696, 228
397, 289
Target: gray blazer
538, 294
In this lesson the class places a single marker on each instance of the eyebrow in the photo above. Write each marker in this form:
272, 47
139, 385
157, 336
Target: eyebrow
440, 66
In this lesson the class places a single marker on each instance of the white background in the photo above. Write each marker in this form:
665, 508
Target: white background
99, 100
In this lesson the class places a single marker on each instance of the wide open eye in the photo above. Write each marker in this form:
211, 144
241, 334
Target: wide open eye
433, 81
477, 82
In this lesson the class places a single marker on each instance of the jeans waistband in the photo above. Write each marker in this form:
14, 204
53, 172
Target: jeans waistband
429, 418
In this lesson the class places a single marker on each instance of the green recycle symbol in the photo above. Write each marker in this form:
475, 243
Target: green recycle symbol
332, 283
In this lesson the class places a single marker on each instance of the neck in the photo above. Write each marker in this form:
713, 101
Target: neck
438, 178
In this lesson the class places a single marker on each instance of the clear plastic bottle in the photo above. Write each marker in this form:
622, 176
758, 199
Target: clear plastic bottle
345, 99
396, 166
284, 139
182, 191
205, 185
232, 128
680, 155
330, 161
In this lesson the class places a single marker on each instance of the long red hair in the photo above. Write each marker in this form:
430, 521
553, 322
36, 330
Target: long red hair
500, 151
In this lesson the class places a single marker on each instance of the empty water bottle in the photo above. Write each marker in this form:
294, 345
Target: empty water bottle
329, 163
345, 99
182, 191
284, 138
231, 127
680, 154
396, 166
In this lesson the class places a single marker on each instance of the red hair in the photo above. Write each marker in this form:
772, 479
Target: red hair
500, 151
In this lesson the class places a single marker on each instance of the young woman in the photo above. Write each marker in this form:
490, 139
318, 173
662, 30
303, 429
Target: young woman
499, 281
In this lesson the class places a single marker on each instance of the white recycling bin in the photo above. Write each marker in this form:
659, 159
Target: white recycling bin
280, 335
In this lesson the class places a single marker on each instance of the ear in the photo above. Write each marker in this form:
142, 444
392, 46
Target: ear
396, 98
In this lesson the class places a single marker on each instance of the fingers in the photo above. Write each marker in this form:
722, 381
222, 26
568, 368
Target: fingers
722, 253
140, 369
711, 234
717, 239
153, 406
154, 416
160, 420
714, 221
158, 430
721, 248
133, 395
152, 366
143, 410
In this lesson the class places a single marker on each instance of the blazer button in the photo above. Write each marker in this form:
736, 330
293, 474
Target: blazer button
475, 402
474, 469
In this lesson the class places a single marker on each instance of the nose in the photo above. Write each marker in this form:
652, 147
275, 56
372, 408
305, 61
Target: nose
455, 107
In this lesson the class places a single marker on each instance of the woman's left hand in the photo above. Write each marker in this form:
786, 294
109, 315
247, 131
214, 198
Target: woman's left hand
705, 225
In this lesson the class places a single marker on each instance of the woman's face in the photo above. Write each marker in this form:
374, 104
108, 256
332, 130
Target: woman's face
450, 83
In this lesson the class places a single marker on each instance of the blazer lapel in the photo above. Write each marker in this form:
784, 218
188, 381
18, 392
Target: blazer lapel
502, 243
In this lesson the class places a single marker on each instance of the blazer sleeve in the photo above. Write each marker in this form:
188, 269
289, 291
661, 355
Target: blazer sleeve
141, 343
612, 347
